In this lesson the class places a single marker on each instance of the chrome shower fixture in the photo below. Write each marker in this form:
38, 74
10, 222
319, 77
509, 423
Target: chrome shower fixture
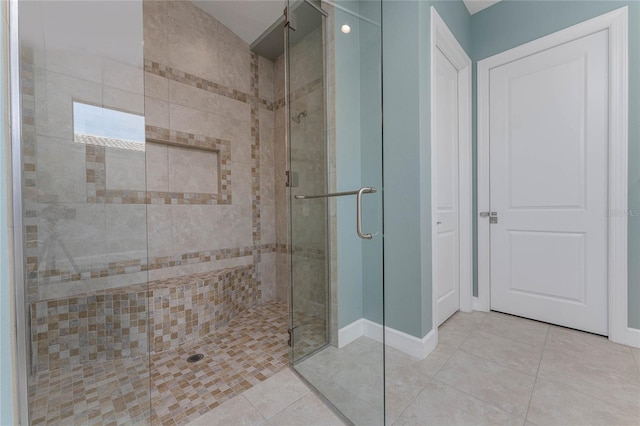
296, 119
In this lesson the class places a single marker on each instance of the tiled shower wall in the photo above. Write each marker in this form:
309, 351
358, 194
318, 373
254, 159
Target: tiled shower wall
200, 196
207, 167
283, 270
203, 84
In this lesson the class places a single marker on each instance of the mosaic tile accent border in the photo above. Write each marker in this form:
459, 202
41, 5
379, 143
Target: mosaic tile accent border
108, 142
189, 140
308, 253
29, 177
112, 324
255, 165
96, 172
210, 86
111, 269
299, 93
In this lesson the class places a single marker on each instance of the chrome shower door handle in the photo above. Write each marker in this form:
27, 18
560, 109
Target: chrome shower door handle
365, 190
358, 194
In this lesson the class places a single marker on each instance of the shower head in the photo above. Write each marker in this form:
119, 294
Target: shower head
296, 118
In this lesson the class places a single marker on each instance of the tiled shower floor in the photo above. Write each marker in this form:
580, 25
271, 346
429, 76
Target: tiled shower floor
248, 350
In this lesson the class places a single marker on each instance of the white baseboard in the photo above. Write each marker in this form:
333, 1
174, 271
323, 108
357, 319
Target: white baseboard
406, 343
351, 332
630, 337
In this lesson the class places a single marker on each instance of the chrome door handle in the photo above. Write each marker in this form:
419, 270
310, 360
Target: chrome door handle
335, 194
358, 194
493, 216
361, 191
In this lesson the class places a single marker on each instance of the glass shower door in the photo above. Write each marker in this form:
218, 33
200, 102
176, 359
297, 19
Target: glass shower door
335, 186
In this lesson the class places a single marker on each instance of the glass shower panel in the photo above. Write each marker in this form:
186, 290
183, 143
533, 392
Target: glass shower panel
335, 144
84, 211
308, 174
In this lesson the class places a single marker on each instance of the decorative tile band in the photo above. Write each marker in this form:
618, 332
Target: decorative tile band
96, 171
308, 252
189, 140
201, 83
29, 177
108, 142
255, 166
79, 273
129, 321
278, 104
299, 93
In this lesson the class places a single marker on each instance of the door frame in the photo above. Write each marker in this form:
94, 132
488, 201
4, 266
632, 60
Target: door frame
442, 38
616, 22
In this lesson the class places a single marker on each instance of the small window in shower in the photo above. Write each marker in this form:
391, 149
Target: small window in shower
107, 127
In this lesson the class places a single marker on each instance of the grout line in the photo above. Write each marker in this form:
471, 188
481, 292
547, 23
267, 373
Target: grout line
251, 404
519, 341
410, 402
537, 373
478, 399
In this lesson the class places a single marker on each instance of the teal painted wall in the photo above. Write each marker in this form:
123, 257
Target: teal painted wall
6, 295
407, 213
402, 138
407, 203
371, 155
348, 164
512, 23
358, 158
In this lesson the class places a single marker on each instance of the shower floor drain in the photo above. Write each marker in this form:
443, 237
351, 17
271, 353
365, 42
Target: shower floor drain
195, 358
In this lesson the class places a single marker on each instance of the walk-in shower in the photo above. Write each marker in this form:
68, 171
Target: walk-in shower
189, 202
148, 205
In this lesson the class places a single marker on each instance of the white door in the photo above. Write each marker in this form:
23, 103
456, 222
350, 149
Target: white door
548, 184
447, 189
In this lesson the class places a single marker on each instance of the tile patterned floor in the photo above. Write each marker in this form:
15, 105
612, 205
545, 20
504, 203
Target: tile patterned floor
487, 369
248, 350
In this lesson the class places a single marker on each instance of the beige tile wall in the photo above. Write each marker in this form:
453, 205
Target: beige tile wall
200, 197
202, 79
209, 179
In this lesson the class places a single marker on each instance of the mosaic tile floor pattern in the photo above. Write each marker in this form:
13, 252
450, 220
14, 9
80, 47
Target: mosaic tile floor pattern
248, 350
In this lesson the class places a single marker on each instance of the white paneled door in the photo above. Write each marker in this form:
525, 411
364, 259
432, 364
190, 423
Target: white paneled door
447, 187
548, 121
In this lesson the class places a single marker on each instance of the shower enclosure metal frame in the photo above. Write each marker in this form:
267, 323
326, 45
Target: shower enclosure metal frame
287, 127
287, 77
18, 237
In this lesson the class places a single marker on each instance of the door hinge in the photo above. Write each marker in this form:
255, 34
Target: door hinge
289, 21
290, 333
292, 179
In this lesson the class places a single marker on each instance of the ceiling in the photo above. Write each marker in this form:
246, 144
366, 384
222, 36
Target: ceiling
475, 6
247, 18
251, 18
